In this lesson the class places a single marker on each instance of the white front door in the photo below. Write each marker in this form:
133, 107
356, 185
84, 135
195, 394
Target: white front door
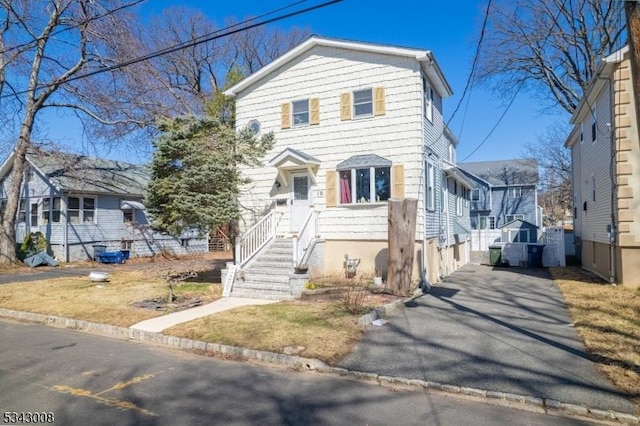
300, 200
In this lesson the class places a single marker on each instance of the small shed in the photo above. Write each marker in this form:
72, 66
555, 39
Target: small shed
519, 231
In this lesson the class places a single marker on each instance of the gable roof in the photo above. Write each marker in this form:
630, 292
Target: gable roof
425, 57
81, 174
504, 172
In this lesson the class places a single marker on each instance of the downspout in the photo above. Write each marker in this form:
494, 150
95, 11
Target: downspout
613, 232
448, 217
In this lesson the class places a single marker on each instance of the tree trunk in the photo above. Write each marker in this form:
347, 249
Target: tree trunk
8, 233
632, 10
402, 235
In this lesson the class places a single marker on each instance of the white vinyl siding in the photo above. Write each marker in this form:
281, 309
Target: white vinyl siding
591, 171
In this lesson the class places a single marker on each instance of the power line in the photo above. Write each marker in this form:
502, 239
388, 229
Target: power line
474, 63
469, 79
79, 24
544, 41
202, 39
495, 126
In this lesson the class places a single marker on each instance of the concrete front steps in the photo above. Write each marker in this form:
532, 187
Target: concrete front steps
269, 276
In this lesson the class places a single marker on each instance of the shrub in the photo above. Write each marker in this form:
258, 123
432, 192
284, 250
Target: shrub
33, 243
354, 298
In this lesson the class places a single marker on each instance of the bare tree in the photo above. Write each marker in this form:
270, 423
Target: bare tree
554, 162
98, 60
551, 46
45, 46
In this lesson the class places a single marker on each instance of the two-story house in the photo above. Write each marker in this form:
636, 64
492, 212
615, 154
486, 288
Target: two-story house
606, 174
355, 124
79, 202
503, 191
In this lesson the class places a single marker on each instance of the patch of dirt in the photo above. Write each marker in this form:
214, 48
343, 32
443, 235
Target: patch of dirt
160, 304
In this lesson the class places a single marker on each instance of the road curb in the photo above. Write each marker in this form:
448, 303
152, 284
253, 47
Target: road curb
549, 406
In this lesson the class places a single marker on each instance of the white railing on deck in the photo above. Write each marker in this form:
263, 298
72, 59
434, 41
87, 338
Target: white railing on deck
256, 237
308, 231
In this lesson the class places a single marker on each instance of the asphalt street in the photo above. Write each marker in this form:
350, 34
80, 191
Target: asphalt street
85, 379
500, 329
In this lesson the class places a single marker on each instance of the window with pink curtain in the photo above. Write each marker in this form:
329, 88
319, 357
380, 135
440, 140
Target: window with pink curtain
345, 187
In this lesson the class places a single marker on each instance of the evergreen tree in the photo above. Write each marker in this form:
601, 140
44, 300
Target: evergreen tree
195, 178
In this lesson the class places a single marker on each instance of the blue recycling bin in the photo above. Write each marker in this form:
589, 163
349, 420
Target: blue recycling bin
534, 255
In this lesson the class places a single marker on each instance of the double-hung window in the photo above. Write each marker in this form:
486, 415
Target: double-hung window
457, 190
363, 103
487, 222
51, 210
431, 187
594, 126
300, 112
512, 217
515, 192
427, 92
475, 195
22, 211
33, 212
81, 209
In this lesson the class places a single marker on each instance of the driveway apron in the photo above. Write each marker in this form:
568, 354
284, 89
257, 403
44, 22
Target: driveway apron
500, 329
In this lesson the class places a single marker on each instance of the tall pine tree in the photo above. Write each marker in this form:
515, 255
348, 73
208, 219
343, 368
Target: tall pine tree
195, 178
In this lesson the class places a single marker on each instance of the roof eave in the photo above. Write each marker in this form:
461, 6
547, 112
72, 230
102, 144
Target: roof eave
423, 56
602, 74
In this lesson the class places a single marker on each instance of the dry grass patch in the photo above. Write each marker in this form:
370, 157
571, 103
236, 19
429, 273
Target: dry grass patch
319, 330
110, 302
608, 321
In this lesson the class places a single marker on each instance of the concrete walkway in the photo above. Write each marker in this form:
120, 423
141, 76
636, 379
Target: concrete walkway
159, 324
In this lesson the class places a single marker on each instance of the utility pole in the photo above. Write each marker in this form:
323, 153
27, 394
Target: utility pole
632, 11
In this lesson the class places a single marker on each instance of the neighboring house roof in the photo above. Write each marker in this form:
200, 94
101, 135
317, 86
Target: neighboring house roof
520, 222
504, 172
425, 57
81, 174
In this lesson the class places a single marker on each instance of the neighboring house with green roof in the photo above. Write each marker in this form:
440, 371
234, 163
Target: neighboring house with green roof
78, 202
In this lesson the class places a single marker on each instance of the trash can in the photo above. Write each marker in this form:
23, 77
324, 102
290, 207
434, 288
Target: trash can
125, 254
98, 249
495, 255
534, 255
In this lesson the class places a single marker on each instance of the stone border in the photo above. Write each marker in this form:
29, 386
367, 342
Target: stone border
549, 406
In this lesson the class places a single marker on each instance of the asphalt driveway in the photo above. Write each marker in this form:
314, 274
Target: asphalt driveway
500, 329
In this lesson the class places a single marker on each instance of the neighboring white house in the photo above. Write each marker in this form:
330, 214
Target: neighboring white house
355, 124
605, 156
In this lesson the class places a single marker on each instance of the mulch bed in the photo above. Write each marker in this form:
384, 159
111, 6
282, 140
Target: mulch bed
160, 304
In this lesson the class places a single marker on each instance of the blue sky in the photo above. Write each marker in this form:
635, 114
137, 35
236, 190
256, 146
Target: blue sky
449, 29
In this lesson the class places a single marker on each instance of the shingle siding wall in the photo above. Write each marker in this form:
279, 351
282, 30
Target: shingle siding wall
326, 73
